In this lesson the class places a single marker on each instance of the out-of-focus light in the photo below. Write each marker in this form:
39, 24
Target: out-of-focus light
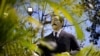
30, 9
6, 14
91, 6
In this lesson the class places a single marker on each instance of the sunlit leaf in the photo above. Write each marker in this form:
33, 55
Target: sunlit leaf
69, 2
2, 5
78, 9
88, 51
47, 44
63, 54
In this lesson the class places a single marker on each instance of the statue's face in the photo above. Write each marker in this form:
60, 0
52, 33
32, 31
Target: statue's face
56, 24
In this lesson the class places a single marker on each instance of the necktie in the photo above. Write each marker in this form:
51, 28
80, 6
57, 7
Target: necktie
55, 34
56, 38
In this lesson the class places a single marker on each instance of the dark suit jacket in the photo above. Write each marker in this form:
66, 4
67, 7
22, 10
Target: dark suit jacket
65, 42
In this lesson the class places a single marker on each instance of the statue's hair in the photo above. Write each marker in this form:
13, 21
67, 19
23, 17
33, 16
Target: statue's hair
61, 19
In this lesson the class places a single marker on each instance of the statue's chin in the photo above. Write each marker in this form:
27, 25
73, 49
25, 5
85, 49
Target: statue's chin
54, 27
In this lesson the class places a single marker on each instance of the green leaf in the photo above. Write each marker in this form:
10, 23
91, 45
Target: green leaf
2, 5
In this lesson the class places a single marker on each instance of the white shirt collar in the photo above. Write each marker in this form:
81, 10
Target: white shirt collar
58, 33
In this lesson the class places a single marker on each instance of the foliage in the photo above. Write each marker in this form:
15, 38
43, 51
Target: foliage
93, 9
89, 51
16, 39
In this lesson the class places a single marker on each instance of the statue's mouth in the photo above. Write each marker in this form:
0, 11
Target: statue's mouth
54, 24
